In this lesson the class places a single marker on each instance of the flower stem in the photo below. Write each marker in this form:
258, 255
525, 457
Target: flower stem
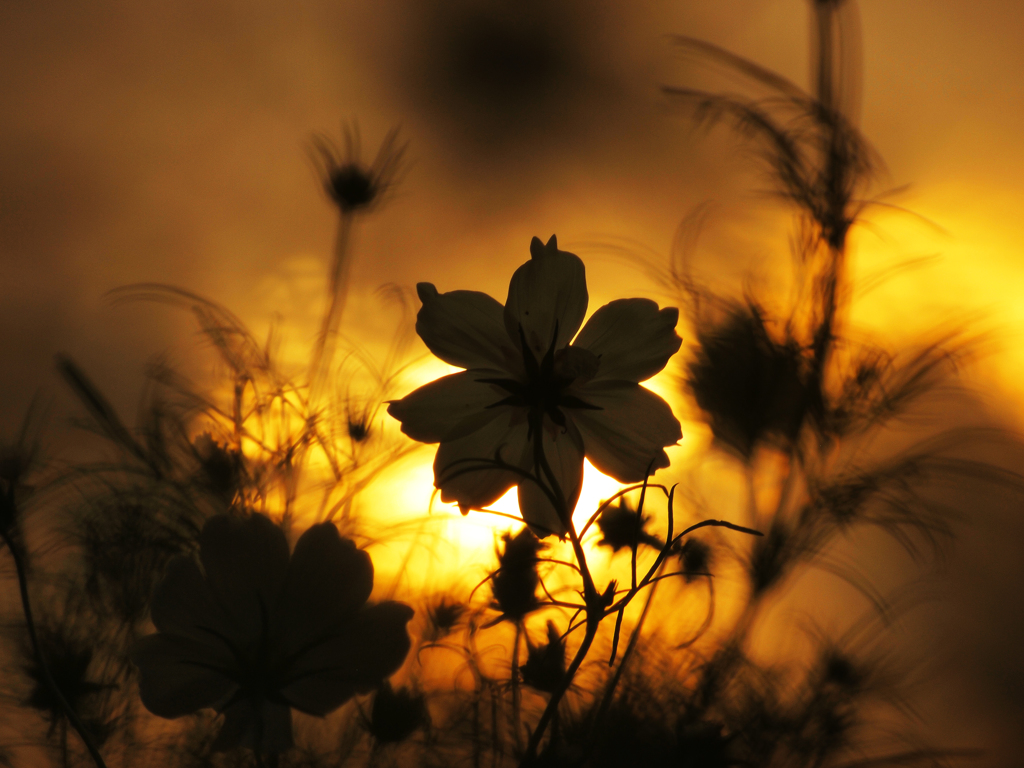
594, 602
337, 295
516, 695
26, 606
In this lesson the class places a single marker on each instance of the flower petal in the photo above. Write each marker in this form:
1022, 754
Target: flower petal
633, 338
629, 432
328, 581
267, 729
564, 453
179, 675
245, 560
462, 467
450, 407
372, 647
464, 328
184, 605
546, 293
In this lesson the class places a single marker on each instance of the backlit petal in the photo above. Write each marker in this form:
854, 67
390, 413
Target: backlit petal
548, 291
464, 328
629, 432
267, 728
564, 453
184, 605
372, 647
463, 467
450, 407
328, 581
633, 338
245, 559
179, 675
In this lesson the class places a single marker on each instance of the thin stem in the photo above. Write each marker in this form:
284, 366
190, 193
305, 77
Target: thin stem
341, 267
516, 736
559, 692
614, 682
594, 602
69, 713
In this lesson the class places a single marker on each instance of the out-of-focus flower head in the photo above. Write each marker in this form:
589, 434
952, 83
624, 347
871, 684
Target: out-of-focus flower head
68, 659
396, 714
443, 616
352, 185
695, 556
221, 470
619, 526
545, 665
515, 584
530, 386
252, 633
750, 386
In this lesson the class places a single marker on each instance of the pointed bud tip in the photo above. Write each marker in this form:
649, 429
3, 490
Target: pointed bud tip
426, 291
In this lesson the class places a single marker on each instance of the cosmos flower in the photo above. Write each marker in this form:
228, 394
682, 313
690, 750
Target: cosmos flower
528, 385
251, 633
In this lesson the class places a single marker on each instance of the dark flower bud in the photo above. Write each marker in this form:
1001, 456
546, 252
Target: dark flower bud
68, 661
545, 665
515, 584
352, 185
396, 714
695, 556
619, 526
358, 430
444, 616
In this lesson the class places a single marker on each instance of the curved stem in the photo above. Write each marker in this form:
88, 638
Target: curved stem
26, 606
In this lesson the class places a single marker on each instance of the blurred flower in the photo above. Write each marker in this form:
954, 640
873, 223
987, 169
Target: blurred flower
68, 660
348, 182
252, 633
526, 389
750, 386
695, 556
443, 616
545, 665
221, 470
396, 714
619, 525
515, 584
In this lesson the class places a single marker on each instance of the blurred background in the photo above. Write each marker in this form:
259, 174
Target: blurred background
171, 143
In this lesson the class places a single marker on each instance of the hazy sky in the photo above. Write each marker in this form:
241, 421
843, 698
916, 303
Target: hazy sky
169, 142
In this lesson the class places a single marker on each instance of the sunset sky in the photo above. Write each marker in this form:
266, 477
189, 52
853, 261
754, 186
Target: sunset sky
169, 142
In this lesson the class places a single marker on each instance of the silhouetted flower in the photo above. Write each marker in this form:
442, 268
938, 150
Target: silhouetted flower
350, 184
525, 385
619, 526
252, 633
396, 714
545, 665
515, 584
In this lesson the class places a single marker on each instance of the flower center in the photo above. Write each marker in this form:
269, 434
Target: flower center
254, 671
545, 389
